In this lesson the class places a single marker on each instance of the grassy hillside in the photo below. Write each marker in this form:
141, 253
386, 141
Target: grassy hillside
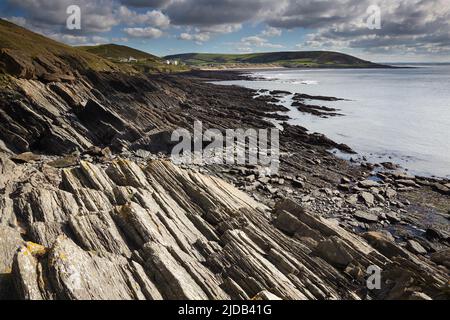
310, 59
115, 51
30, 47
146, 61
26, 54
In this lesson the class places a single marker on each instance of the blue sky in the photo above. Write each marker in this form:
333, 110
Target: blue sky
409, 30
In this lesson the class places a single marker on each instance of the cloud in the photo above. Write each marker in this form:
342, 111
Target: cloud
272, 32
205, 33
415, 26
421, 26
148, 32
256, 41
97, 15
153, 18
20, 21
146, 3
209, 13
199, 37
79, 40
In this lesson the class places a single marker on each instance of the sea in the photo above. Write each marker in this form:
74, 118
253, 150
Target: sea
399, 115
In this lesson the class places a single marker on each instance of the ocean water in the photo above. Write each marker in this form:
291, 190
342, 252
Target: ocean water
396, 115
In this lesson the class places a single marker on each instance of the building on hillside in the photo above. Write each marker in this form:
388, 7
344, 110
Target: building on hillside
130, 59
172, 62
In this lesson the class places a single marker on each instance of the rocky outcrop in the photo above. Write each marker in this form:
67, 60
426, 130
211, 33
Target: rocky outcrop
127, 230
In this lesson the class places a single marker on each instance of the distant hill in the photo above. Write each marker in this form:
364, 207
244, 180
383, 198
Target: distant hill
146, 61
299, 59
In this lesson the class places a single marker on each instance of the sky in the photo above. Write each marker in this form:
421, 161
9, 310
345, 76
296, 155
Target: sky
376, 30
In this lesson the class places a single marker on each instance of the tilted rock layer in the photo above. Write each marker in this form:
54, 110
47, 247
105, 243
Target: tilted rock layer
122, 230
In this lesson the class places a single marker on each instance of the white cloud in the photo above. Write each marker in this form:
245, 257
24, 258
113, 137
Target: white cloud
272, 32
154, 18
149, 32
257, 41
198, 37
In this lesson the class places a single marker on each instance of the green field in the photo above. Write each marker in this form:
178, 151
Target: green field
311, 59
146, 61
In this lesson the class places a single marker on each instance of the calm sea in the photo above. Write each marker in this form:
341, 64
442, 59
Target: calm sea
397, 115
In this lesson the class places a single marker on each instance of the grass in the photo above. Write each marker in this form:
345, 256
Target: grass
32, 45
313, 59
147, 62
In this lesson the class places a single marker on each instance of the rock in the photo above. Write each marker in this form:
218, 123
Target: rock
389, 165
345, 187
334, 251
353, 199
298, 184
26, 157
415, 247
265, 295
66, 162
390, 193
385, 244
441, 257
365, 216
368, 198
441, 189
367, 184
11, 241
345, 180
408, 183
419, 296
392, 216
435, 234
403, 176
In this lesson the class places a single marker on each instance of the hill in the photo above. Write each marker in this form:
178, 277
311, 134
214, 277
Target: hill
299, 59
145, 61
27, 54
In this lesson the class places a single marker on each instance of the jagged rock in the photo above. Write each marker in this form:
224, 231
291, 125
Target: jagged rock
384, 244
405, 182
368, 198
65, 162
392, 216
367, 184
265, 295
153, 231
366, 216
415, 247
441, 257
441, 188
10, 242
390, 193
334, 251
25, 157
419, 296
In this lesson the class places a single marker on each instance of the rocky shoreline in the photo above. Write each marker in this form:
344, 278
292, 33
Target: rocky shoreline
91, 207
